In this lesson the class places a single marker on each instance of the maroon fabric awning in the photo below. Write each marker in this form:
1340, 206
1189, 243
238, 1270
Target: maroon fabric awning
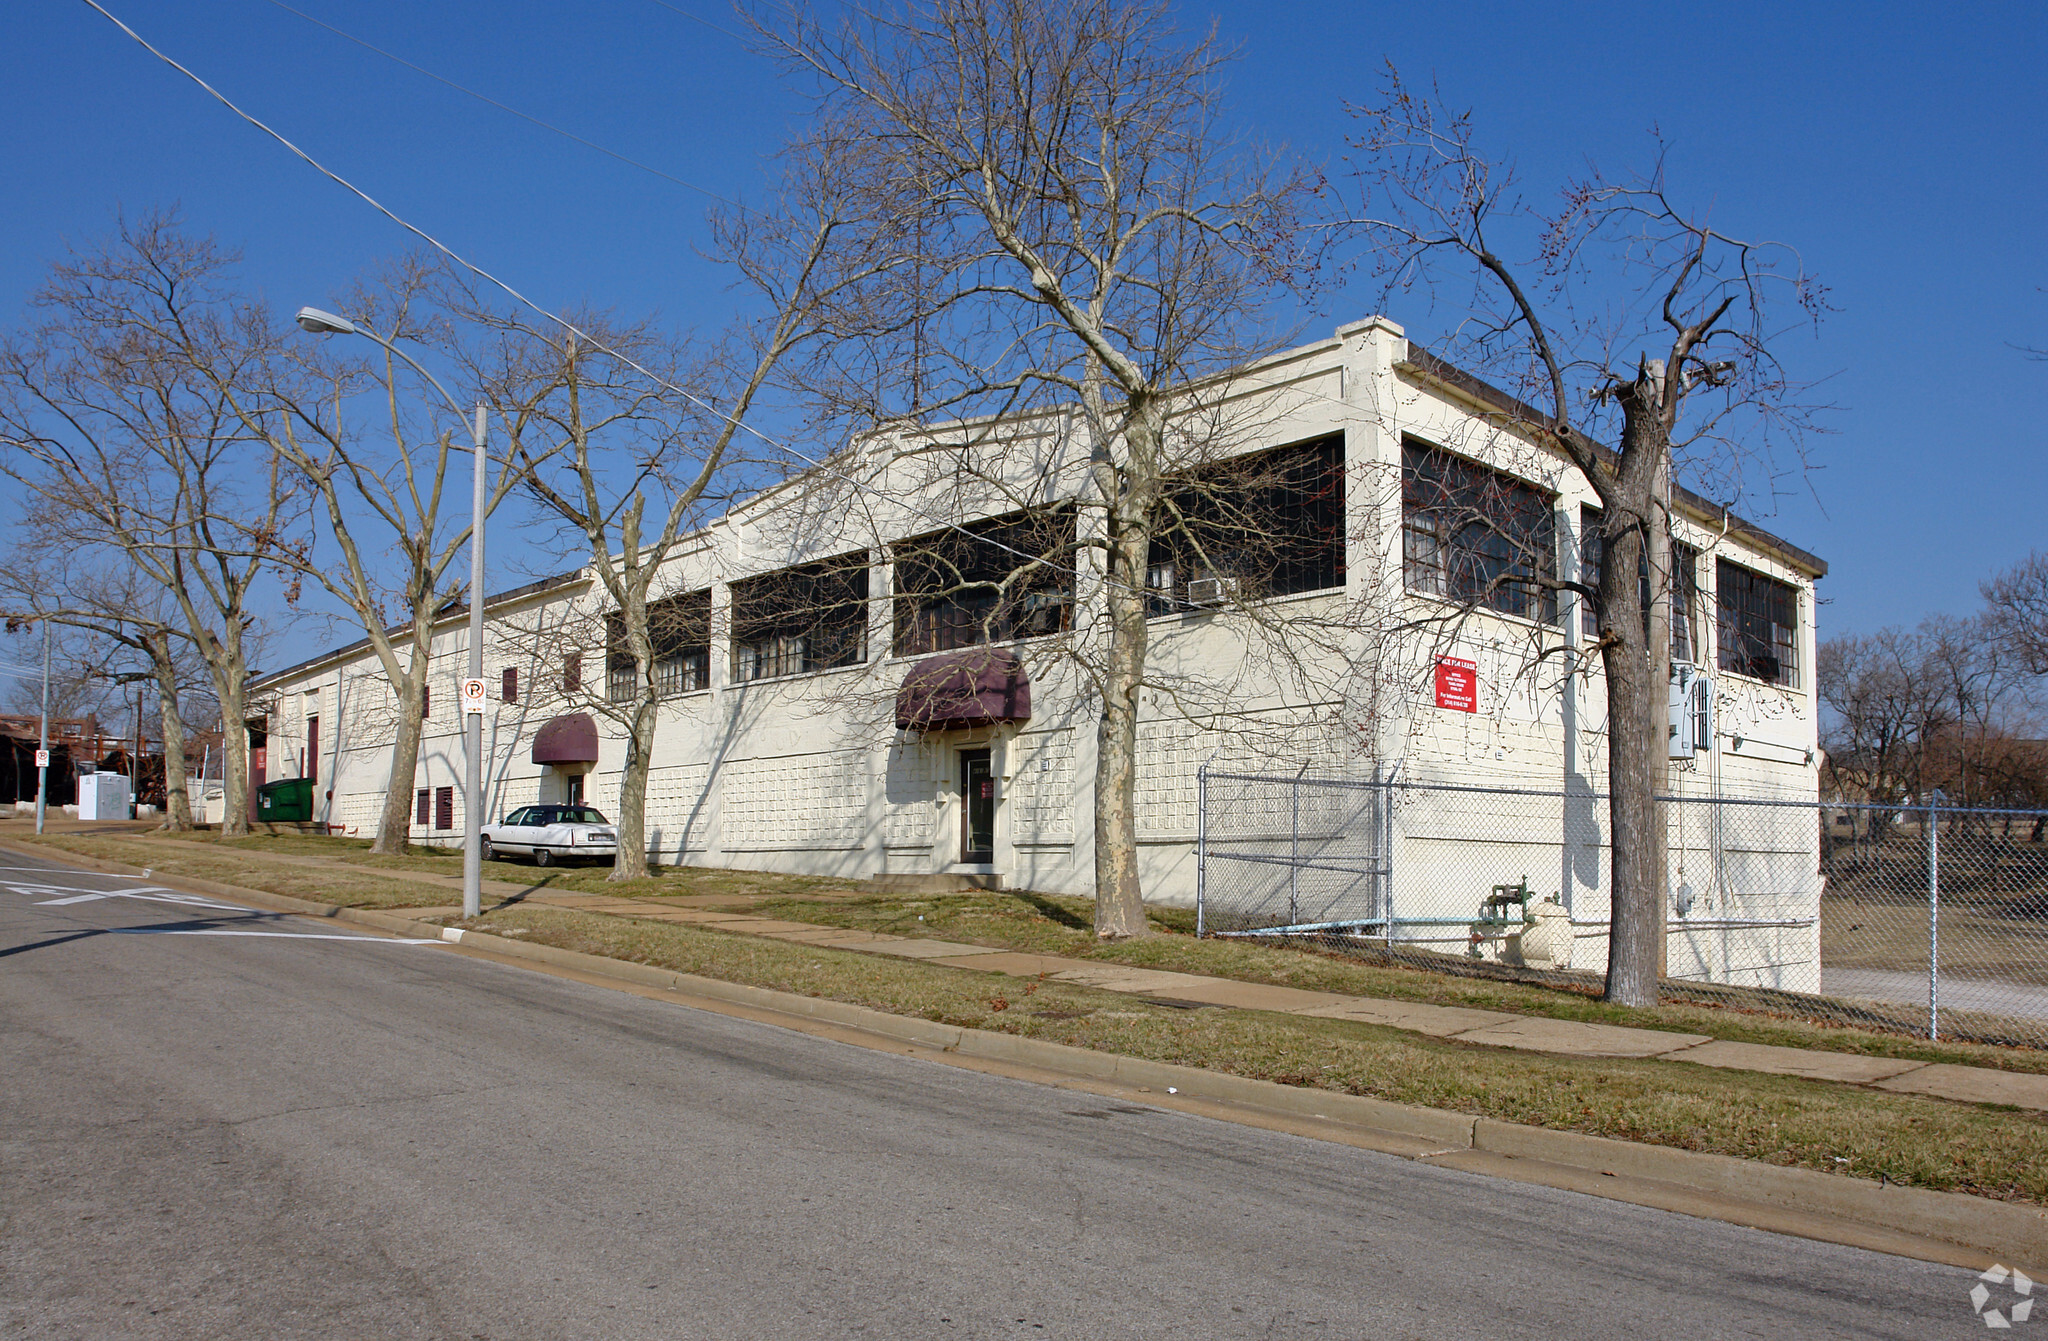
570, 739
976, 687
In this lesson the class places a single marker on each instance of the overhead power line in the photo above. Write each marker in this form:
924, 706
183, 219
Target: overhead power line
503, 107
824, 467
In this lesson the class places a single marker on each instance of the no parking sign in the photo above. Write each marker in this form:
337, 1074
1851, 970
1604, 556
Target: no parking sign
473, 696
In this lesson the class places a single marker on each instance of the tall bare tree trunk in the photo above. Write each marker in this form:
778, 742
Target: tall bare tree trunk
394, 830
1119, 898
1633, 754
177, 794
631, 861
1663, 583
231, 685
1636, 652
1119, 894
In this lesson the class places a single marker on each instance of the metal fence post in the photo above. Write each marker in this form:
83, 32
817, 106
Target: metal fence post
1933, 921
1201, 846
1294, 851
1387, 847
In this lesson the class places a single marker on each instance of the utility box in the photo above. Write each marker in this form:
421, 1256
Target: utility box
1691, 728
286, 802
103, 796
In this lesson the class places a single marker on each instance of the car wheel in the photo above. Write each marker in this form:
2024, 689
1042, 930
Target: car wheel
489, 853
542, 857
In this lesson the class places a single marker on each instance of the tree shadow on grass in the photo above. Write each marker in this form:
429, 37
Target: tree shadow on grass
1052, 912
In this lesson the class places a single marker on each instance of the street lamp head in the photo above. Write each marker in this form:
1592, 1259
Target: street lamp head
313, 320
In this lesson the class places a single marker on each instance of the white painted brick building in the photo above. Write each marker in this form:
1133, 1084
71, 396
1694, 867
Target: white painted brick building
780, 751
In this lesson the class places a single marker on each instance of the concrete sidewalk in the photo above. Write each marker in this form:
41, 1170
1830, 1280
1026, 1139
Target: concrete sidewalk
1967, 1084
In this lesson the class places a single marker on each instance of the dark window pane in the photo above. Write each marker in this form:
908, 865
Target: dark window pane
1756, 624
444, 807
420, 800
991, 581
1476, 536
1267, 524
679, 628
801, 619
508, 685
1685, 580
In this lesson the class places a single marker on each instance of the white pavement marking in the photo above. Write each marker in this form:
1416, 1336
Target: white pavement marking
274, 935
148, 894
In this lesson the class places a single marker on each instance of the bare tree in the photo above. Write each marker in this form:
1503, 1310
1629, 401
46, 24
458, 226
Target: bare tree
384, 494
1080, 240
1881, 708
2018, 602
1680, 369
115, 412
648, 434
130, 625
1975, 684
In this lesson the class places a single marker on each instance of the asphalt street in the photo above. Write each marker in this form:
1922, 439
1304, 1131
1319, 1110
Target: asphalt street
222, 1123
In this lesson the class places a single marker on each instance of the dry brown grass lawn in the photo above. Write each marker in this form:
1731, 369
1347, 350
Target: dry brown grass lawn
1811, 1124
261, 860
1018, 920
1832, 1128
1043, 924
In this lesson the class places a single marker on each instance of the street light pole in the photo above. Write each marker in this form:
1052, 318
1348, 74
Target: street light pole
317, 322
43, 754
473, 722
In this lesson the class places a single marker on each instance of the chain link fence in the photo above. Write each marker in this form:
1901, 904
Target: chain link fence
1923, 918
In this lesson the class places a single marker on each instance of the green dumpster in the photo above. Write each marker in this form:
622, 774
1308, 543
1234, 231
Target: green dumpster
286, 802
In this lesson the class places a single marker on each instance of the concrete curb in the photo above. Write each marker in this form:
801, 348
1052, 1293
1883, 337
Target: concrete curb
2014, 1234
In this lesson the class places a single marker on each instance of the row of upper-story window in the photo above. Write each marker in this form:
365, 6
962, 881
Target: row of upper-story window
1269, 524
1484, 538
1255, 527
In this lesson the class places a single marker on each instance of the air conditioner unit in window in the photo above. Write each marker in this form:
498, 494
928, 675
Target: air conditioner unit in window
1211, 590
1691, 729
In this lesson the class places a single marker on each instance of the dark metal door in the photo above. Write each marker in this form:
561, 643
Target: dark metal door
978, 797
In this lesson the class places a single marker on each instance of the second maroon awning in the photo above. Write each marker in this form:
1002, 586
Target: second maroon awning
979, 686
568, 739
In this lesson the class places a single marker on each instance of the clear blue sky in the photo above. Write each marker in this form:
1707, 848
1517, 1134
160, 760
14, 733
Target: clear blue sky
1901, 148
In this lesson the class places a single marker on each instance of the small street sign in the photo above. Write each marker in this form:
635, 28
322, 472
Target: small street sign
42, 758
473, 696
1457, 684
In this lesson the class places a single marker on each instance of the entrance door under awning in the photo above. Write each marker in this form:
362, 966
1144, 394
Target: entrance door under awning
977, 808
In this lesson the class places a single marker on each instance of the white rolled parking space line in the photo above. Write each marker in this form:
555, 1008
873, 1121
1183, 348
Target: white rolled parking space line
271, 935
68, 895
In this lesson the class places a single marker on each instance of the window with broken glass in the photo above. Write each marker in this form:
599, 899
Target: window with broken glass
990, 581
1250, 528
680, 629
1475, 535
795, 620
1756, 624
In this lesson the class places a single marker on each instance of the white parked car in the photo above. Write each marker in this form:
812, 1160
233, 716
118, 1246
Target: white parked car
547, 833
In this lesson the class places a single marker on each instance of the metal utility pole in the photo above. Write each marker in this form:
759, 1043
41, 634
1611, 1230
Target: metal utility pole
43, 753
473, 722
313, 320
135, 764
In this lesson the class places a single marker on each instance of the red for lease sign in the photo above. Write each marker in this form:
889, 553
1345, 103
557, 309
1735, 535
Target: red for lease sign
1457, 684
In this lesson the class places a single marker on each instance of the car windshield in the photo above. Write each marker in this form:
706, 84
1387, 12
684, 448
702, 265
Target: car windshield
580, 815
